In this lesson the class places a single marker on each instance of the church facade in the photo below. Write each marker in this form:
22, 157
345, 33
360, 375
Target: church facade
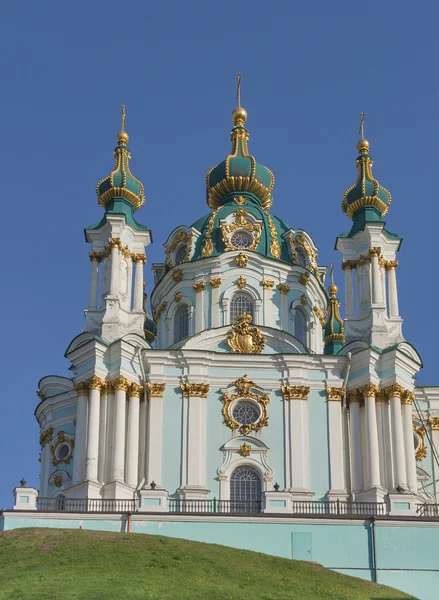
246, 392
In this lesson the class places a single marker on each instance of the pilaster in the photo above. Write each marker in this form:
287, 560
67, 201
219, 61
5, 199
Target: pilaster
336, 455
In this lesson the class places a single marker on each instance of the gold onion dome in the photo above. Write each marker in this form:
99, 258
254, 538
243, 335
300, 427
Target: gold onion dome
240, 173
121, 183
333, 328
366, 195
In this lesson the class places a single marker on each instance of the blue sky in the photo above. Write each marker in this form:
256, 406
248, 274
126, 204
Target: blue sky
308, 68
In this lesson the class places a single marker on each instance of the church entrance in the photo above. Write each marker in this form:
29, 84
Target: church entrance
245, 490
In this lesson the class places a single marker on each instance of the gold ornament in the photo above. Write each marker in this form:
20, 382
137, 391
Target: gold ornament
283, 288
177, 296
245, 450
115, 243
198, 390
61, 439
57, 480
245, 339
421, 452
241, 223
335, 394
320, 315
394, 391
303, 300
243, 386
95, 383
241, 260
369, 390
239, 200
81, 388
180, 238
120, 383
434, 423
46, 436
348, 264
407, 397
295, 392
208, 244
135, 390
160, 308
241, 282
274, 247
374, 251
267, 284
95, 256
199, 286
304, 278
177, 275
353, 396
215, 283
155, 389
139, 257
391, 264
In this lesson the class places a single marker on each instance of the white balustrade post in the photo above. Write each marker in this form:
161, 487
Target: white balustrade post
95, 259
357, 483
349, 289
80, 432
133, 434
393, 289
215, 307
154, 432
103, 432
283, 289
297, 442
335, 427
394, 393
407, 425
95, 385
199, 298
140, 260
369, 392
115, 245
120, 386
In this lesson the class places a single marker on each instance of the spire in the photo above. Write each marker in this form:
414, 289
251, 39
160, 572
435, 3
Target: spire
366, 199
333, 329
240, 173
121, 184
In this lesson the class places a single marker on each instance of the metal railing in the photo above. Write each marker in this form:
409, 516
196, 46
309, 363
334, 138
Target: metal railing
214, 506
427, 510
338, 507
86, 505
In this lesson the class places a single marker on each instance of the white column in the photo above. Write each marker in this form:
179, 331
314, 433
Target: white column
394, 393
120, 385
393, 290
257, 318
225, 303
355, 441
380, 400
191, 328
268, 303
297, 443
349, 291
369, 392
283, 289
95, 258
140, 260
154, 433
142, 437
114, 275
103, 432
92, 445
80, 432
196, 394
407, 425
335, 428
215, 307
199, 287
376, 276
133, 434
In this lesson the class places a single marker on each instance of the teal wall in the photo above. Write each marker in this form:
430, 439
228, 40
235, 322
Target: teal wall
406, 552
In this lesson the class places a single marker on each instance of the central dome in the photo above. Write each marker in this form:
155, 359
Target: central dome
240, 173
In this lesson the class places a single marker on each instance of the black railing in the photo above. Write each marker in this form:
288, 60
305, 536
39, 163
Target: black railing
427, 510
338, 507
214, 506
86, 505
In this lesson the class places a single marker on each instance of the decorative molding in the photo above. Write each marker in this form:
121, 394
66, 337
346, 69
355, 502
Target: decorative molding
177, 275
180, 238
198, 390
215, 283
241, 222
241, 260
243, 387
283, 288
244, 339
208, 244
61, 438
335, 394
267, 284
155, 389
295, 392
199, 286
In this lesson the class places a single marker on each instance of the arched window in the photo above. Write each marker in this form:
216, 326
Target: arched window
302, 257
180, 255
300, 326
245, 490
241, 303
181, 324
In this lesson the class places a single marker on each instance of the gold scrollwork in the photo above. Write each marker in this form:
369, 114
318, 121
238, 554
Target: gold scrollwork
245, 450
241, 223
239, 200
199, 286
421, 450
274, 247
244, 339
177, 297
61, 438
177, 275
46, 436
215, 283
335, 394
304, 278
138, 257
295, 392
198, 390
320, 314
434, 423
369, 390
241, 260
208, 244
267, 284
241, 282
180, 238
160, 308
120, 383
95, 383
243, 387
155, 389
135, 390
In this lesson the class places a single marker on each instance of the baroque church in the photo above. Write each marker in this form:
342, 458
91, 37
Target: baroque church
252, 387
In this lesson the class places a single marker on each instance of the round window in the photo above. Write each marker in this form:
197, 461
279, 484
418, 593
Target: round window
245, 412
241, 239
63, 451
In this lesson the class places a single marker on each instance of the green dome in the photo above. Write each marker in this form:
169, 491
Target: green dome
366, 191
121, 183
239, 172
333, 328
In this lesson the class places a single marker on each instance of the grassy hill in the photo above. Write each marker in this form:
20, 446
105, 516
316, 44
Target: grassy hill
48, 564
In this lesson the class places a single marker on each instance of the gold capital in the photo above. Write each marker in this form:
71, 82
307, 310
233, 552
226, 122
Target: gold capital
81, 388
434, 423
283, 288
199, 390
199, 286
138, 257
155, 389
295, 392
353, 396
115, 242
135, 390
407, 397
374, 251
215, 283
394, 391
335, 394
369, 391
267, 284
120, 383
348, 264
95, 256
391, 264
95, 383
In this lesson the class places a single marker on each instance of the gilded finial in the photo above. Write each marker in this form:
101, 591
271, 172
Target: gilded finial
363, 145
239, 115
333, 289
122, 136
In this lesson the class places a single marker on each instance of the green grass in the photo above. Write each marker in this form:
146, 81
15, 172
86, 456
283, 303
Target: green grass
48, 564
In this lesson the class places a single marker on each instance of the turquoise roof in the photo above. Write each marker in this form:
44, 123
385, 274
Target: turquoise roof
333, 328
120, 206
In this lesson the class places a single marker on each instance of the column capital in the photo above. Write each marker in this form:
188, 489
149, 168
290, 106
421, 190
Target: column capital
283, 288
374, 251
381, 396
348, 264
138, 257
434, 423
295, 392
199, 390
199, 286
81, 388
267, 284
135, 390
155, 389
407, 397
353, 396
95, 256
115, 242
394, 391
335, 394
95, 383
215, 283
120, 383
390, 264
369, 390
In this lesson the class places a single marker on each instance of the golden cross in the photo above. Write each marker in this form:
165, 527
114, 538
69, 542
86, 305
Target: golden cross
124, 120
238, 90
361, 131
331, 272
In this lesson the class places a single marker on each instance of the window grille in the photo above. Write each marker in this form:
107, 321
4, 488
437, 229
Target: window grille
241, 239
245, 484
241, 303
181, 324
